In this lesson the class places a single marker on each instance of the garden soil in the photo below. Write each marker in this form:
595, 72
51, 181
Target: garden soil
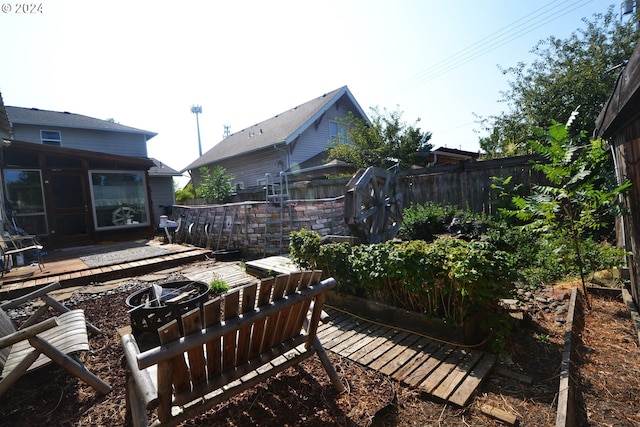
525, 386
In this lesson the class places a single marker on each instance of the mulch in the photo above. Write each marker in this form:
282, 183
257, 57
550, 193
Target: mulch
608, 379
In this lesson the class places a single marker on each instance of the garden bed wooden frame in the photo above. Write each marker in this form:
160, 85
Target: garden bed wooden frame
245, 340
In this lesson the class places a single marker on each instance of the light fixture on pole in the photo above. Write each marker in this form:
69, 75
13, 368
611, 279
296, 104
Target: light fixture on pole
197, 109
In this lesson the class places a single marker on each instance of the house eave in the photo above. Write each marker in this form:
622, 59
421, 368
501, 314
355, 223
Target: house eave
197, 165
345, 91
147, 134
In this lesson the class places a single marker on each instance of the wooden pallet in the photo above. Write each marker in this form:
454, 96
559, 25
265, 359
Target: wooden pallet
446, 372
277, 264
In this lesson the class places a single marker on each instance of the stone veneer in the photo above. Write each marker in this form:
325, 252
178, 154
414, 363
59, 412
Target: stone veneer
243, 225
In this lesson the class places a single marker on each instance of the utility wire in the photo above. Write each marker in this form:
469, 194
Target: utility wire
463, 52
492, 42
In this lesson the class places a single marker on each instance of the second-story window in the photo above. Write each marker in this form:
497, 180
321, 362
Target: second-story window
337, 131
51, 137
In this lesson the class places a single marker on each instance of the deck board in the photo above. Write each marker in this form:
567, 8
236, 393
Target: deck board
446, 371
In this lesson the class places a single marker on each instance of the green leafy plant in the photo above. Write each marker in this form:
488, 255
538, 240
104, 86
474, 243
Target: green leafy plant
216, 186
218, 285
543, 338
579, 201
450, 278
422, 222
304, 248
187, 193
383, 141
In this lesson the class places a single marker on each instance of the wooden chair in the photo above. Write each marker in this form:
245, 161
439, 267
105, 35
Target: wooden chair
38, 343
19, 244
49, 303
250, 334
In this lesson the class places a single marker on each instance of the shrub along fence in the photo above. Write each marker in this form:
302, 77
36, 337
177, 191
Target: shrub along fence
451, 279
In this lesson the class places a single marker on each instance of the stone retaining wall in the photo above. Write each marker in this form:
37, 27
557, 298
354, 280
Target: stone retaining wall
246, 225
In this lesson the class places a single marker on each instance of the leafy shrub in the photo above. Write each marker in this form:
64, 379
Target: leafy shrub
216, 186
218, 285
305, 248
187, 193
449, 278
422, 222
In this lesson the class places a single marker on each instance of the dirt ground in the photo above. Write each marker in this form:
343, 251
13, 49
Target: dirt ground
608, 383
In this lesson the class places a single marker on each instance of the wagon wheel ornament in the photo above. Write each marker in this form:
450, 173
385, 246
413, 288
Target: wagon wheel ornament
373, 208
123, 215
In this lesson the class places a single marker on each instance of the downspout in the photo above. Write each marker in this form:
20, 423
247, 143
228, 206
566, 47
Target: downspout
620, 198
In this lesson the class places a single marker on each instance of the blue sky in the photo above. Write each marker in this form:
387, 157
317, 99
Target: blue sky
145, 63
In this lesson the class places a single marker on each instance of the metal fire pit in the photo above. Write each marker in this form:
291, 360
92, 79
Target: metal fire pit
148, 312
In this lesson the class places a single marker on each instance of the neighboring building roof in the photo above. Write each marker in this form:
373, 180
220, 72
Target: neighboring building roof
5, 127
453, 153
35, 116
281, 129
622, 105
160, 169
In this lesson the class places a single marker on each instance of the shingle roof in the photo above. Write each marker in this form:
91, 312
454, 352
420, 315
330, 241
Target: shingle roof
160, 169
5, 128
283, 128
35, 116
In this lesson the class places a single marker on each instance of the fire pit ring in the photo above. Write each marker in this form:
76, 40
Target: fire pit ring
154, 306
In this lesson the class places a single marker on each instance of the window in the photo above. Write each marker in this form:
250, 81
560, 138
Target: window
26, 200
51, 137
337, 132
119, 199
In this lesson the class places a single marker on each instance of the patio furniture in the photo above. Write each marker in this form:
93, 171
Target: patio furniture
49, 303
18, 245
249, 335
40, 343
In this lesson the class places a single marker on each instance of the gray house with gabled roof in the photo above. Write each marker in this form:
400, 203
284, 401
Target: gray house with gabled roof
70, 178
70, 130
288, 142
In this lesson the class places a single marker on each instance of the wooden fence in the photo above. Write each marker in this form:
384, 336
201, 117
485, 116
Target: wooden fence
467, 184
319, 205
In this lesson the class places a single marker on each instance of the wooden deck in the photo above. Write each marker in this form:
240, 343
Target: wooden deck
446, 372
69, 269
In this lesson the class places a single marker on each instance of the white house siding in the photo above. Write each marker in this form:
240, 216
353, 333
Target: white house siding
121, 143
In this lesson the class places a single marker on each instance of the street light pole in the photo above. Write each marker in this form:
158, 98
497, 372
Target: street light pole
197, 109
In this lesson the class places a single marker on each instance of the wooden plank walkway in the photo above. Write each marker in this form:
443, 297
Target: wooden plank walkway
75, 273
232, 273
447, 372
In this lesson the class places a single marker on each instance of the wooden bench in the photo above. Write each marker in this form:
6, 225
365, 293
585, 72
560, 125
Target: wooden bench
235, 342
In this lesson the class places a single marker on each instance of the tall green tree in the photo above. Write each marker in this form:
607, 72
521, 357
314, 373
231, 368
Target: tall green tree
383, 141
216, 186
575, 72
579, 200
186, 193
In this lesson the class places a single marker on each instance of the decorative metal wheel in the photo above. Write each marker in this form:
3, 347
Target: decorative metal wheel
123, 215
373, 205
